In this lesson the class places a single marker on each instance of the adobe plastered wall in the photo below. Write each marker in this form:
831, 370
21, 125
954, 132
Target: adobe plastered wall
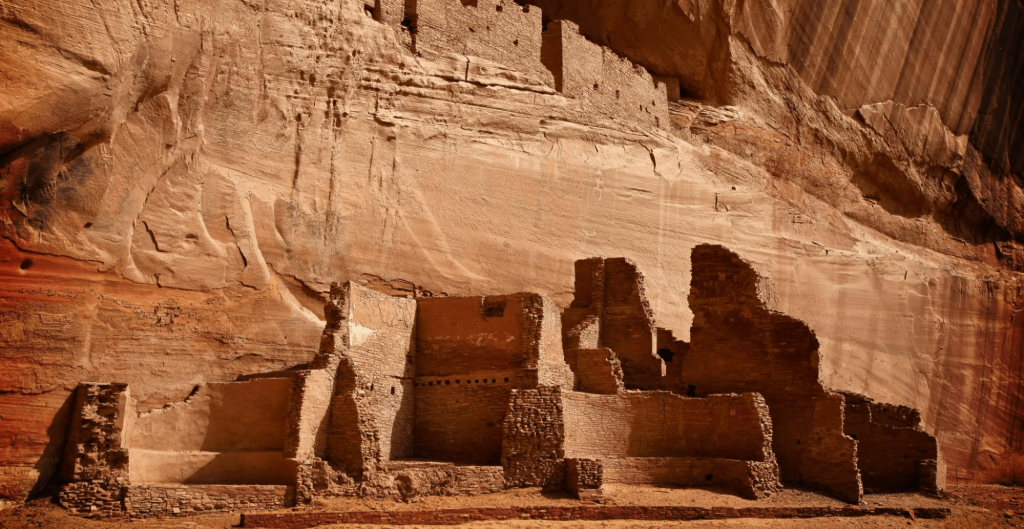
739, 344
226, 433
470, 336
219, 417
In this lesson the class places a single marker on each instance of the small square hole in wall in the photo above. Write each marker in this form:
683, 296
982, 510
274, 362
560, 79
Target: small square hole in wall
392, 390
493, 309
447, 382
506, 379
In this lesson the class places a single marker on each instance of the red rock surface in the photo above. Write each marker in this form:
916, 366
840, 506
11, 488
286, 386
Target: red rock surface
181, 181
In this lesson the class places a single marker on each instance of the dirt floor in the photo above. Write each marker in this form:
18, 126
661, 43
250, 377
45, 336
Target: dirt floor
974, 506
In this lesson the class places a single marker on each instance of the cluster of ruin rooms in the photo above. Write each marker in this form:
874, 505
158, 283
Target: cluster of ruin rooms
416, 396
507, 39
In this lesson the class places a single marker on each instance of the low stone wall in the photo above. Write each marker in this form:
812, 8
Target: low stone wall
410, 479
183, 500
299, 520
728, 474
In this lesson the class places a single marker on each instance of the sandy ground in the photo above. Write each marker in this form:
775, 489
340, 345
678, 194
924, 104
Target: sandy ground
974, 507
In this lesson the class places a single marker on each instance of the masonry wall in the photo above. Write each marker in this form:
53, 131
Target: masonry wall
610, 304
663, 424
533, 439
603, 81
597, 370
497, 30
371, 418
889, 456
309, 413
180, 500
552, 369
95, 464
722, 441
460, 419
738, 345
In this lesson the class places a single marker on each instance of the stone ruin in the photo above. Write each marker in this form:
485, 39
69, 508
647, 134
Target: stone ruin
466, 395
506, 38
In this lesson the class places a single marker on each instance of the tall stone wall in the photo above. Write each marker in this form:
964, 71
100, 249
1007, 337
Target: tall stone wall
533, 440
610, 310
371, 417
95, 462
739, 344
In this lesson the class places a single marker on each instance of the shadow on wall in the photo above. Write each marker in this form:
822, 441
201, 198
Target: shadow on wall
48, 464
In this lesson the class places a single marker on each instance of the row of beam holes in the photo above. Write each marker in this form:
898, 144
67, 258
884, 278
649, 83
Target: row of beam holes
392, 389
459, 381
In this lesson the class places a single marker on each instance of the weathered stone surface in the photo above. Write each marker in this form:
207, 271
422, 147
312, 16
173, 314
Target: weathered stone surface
180, 183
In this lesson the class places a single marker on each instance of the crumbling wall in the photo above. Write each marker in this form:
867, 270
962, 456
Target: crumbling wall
496, 30
412, 479
584, 478
739, 344
532, 451
603, 81
878, 429
597, 370
369, 336
96, 464
609, 303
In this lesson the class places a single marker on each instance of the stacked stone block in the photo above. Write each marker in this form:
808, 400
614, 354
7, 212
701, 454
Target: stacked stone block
145, 501
95, 464
533, 442
584, 479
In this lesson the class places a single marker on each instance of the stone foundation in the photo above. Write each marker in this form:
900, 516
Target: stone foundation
143, 501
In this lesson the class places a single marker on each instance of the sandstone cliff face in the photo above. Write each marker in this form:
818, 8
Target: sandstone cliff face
181, 181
